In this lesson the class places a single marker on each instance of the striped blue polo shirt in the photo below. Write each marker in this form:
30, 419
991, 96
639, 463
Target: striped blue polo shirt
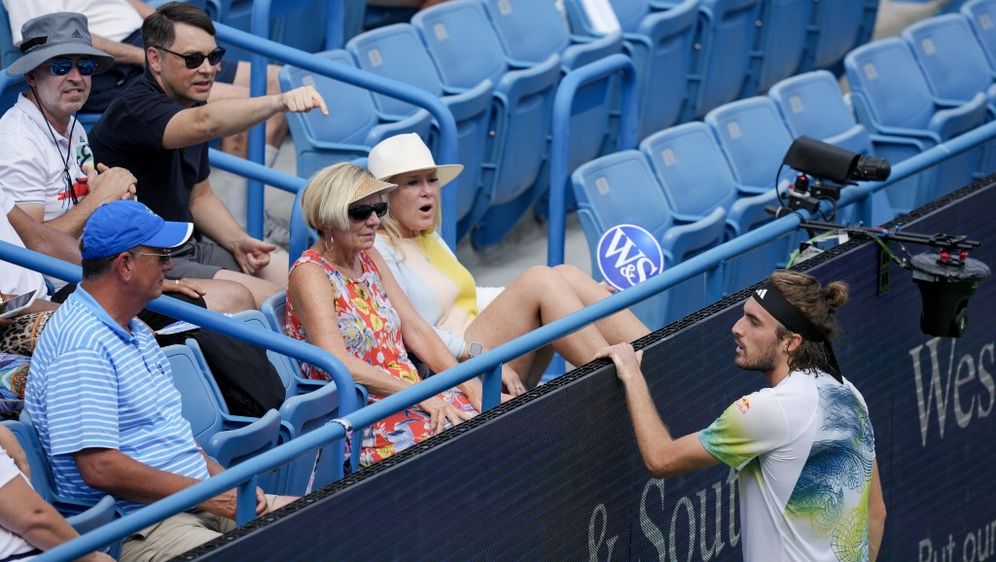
95, 385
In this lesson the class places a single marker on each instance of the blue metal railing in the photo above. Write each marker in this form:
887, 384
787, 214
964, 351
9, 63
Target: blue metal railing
563, 104
265, 48
487, 362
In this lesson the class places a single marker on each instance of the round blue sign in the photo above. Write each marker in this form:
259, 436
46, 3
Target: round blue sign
628, 255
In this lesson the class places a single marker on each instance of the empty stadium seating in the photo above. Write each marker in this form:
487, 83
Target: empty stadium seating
892, 97
780, 44
620, 188
320, 140
696, 179
466, 51
812, 105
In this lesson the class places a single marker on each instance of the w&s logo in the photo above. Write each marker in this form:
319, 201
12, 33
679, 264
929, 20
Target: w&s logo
628, 255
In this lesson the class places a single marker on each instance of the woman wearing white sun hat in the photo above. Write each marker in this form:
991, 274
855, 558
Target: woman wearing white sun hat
468, 319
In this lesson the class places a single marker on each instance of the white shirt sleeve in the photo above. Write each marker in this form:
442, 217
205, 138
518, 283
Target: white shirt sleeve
752, 425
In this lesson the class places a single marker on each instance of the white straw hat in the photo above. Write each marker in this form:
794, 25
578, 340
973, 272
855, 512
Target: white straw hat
401, 154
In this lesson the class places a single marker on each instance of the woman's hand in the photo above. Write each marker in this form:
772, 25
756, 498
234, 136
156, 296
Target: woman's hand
440, 412
511, 382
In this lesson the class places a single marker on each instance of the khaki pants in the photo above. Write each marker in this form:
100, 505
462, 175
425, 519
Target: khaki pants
177, 534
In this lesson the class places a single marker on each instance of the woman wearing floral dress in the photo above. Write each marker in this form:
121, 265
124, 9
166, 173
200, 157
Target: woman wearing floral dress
369, 332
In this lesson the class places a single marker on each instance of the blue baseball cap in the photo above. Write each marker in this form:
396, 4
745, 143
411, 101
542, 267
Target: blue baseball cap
121, 225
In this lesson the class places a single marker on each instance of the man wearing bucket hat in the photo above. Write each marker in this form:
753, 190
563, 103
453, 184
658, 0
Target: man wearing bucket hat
159, 128
125, 435
48, 167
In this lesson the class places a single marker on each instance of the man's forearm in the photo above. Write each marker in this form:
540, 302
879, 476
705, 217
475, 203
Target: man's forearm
123, 53
219, 119
213, 219
124, 477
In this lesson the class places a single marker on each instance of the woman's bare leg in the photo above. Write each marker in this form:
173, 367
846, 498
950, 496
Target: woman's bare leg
622, 326
537, 297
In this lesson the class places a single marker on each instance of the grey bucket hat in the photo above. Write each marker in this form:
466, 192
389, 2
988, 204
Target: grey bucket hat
55, 35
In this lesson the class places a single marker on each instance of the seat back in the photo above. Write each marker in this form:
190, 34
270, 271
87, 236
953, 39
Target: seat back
201, 401
528, 31
952, 61
296, 23
813, 105
754, 139
780, 42
284, 365
892, 89
620, 188
630, 13
840, 27
691, 168
8, 52
730, 34
396, 51
661, 49
463, 45
981, 15
42, 479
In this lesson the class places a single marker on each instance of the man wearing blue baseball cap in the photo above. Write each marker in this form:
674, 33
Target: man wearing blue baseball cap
101, 392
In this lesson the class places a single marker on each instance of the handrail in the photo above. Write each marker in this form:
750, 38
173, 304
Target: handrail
563, 103
501, 354
447, 151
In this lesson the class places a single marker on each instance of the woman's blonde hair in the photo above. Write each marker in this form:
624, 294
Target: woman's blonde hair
390, 225
329, 192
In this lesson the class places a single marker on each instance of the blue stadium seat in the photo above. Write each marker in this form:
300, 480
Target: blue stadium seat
892, 97
320, 141
8, 51
397, 52
620, 188
840, 26
952, 61
780, 43
529, 33
661, 45
812, 105
754, 138
981, 15
696, 179
466, 51
226, 438
296, 23
719, 69
83, 517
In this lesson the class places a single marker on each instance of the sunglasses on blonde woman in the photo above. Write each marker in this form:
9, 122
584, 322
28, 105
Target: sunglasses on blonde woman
361, 213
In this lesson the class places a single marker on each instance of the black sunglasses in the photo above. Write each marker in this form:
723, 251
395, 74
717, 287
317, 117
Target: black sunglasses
62, 67
361, 213
195, 60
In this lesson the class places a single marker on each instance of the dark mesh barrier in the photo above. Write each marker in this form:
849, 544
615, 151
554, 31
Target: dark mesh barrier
556, 475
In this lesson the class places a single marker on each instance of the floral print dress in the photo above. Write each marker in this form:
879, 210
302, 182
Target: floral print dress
371, 329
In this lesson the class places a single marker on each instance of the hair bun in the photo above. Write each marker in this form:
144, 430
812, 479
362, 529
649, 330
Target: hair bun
835, 295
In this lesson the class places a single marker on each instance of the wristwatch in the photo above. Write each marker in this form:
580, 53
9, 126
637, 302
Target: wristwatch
474, 349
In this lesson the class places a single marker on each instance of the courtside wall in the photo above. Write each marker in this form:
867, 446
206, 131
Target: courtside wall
556, 475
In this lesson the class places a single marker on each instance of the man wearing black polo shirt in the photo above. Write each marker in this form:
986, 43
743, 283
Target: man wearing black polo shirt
159, 128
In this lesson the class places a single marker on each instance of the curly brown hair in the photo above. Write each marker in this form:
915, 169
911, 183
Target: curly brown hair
819, 305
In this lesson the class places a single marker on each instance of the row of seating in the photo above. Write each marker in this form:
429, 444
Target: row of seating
909, 94
695, 55
497, 64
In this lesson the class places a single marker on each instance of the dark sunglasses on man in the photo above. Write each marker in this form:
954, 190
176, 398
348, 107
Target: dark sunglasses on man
361, 213
195, 60
62, 67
